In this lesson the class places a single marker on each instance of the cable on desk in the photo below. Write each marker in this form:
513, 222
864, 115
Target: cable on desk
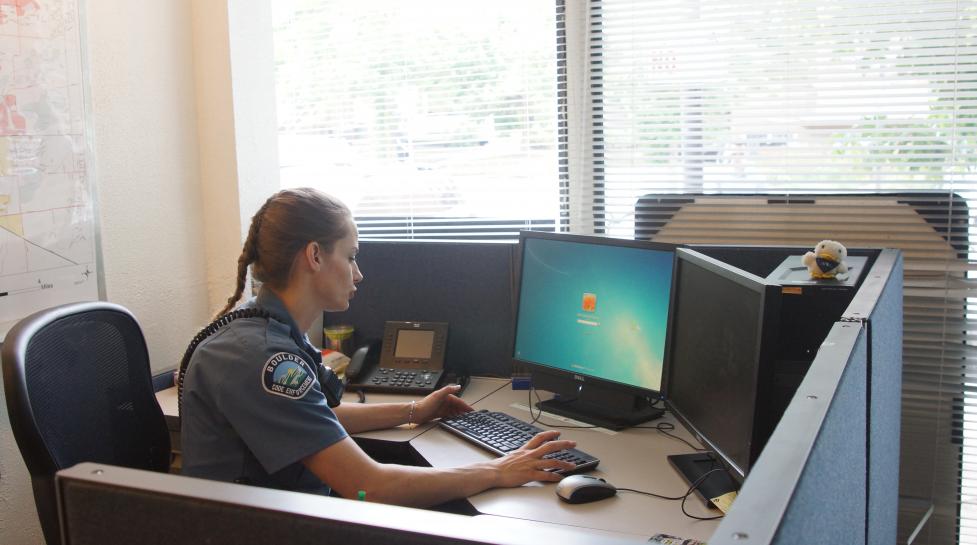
661, 427
683, 497
665, 428
692, 488
504, 384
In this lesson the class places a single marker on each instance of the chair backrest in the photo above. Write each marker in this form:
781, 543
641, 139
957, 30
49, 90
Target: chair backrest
79, 388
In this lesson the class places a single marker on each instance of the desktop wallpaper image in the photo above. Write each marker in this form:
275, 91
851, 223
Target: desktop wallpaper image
595, 309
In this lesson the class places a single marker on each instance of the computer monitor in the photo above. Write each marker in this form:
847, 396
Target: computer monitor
592, 324
720, 366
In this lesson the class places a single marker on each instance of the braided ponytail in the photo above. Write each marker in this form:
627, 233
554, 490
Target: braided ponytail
284, 224
249, 254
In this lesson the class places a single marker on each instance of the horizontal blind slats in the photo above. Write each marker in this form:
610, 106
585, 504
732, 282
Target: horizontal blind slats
800, 99
423, 119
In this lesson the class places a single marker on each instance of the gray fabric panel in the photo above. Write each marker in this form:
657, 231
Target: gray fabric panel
886, 401
468, 285
828, 506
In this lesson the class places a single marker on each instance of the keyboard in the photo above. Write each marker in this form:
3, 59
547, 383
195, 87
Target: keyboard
501, 433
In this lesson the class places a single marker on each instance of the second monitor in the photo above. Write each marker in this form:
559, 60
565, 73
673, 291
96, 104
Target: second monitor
592, 324
723, 339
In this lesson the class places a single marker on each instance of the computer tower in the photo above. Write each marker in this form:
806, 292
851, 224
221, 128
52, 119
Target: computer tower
808, 309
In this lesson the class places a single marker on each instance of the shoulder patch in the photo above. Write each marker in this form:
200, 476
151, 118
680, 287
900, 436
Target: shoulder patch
287, 375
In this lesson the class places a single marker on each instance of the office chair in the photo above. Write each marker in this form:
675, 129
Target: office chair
78, 387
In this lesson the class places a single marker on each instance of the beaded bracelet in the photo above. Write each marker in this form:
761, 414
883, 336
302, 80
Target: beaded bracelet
410, 417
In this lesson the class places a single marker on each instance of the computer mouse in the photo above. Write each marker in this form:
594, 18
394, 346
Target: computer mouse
584, 489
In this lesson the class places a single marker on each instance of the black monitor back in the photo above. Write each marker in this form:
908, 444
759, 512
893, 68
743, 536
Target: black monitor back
720, 365
468, 285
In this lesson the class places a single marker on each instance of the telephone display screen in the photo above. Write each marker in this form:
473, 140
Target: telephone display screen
412, 343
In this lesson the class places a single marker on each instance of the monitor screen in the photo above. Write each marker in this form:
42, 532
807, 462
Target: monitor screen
723, 318
596, 307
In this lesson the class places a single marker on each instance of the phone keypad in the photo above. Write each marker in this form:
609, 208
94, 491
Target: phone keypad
407, 380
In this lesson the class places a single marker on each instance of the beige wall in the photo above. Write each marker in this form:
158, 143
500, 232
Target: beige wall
147, 167
165, 174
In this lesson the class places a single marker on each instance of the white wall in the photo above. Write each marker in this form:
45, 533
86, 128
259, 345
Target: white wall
168, 206
147, 168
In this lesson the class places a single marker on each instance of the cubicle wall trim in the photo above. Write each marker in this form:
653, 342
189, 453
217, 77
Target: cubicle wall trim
860, 310
767, 492
346, 516
873, 282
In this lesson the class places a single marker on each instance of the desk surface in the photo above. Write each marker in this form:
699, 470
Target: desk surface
633, 458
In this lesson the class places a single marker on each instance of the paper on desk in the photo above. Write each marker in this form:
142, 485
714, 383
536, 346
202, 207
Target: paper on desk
724, 502
665, 539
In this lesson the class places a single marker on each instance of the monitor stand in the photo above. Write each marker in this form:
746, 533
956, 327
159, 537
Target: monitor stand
692, 467
597, 415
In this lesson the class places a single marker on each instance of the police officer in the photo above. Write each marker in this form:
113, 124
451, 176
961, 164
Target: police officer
256, 407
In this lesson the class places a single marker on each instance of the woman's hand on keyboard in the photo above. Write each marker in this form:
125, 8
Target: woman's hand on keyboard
527, 464
439, 403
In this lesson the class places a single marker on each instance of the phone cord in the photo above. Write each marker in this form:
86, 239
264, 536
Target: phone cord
207, 331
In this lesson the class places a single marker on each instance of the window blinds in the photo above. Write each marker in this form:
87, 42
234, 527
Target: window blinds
703, 121
787, 122
431, 119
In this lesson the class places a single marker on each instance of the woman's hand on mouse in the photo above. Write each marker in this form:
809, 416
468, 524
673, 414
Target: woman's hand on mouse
440, 403
527, 464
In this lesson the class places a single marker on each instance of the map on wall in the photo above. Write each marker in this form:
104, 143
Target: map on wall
47, 216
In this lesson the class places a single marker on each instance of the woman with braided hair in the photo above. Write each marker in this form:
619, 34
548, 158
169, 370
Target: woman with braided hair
255, 406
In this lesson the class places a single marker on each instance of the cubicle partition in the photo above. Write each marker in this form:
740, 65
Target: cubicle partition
932, 231
879, 308
470, 286
100, 504
827, 475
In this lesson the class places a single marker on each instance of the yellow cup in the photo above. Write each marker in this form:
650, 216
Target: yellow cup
339, 338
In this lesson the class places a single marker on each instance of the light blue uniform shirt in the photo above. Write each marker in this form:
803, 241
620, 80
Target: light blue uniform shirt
252, 406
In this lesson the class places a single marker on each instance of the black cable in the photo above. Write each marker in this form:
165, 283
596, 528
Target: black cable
665, 428
692, 488
529, 394
652, 494
506, 383
695, 485
207, 331
662, 427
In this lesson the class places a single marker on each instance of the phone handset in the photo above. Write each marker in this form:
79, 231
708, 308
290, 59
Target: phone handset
363, 358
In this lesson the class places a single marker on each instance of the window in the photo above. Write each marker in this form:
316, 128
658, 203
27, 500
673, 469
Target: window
431, 119
453, 120
812, 97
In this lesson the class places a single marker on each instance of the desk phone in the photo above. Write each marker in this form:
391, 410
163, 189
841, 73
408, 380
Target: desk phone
411, 360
